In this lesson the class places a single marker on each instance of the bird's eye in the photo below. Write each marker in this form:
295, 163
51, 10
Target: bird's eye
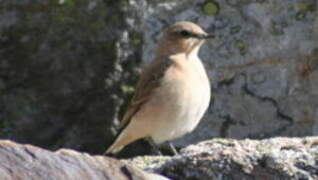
185, 34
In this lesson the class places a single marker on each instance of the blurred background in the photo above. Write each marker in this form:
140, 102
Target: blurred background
68, 68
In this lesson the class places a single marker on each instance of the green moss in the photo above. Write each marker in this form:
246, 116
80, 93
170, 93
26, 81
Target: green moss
146, 161
127, 89
290, 7
235, 29
241, 46
300, 16
305, 6
137, 38
284, 24
211, 8
275, 30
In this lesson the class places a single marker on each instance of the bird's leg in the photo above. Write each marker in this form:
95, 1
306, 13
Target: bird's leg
154, 146
168, 149
172, 149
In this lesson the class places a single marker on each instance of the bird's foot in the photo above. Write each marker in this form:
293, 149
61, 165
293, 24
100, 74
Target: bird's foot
154, 146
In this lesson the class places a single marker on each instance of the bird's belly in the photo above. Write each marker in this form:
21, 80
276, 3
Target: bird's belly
183, 109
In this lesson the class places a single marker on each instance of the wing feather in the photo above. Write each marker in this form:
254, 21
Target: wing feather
149, 81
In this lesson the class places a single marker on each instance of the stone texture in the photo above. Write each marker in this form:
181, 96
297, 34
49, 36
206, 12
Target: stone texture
68, 68
19, 162
62, 78
274, 159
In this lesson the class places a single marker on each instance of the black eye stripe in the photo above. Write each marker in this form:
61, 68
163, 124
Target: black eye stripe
185, 33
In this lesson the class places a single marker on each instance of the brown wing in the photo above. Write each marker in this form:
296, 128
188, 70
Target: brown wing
150, 80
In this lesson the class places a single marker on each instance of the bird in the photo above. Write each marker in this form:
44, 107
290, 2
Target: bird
173, 91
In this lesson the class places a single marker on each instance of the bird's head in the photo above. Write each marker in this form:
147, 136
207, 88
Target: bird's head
182, 37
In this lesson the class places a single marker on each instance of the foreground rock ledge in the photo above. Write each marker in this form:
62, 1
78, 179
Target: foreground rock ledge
23, 162
270, 159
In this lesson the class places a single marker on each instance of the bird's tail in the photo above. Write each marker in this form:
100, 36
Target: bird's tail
116, 146
124, 138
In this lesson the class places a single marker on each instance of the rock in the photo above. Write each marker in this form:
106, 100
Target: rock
274, 159
30, 162
68, 67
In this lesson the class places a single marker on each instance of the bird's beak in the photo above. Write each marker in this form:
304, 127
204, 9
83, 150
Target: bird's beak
205, 36
209, 36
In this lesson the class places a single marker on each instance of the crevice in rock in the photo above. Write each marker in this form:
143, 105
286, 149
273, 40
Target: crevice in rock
268, 99
124, 169
29, 152
226, 82
279, 113
229, 121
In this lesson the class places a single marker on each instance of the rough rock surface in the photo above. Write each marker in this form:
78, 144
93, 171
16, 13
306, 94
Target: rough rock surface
274, 159
68, 66
23, 162
65, 69
269, 159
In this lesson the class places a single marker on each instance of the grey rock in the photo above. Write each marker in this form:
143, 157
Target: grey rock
29, 162
68, 68
275, 159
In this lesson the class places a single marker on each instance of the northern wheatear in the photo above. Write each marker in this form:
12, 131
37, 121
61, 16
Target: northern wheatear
173, 91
